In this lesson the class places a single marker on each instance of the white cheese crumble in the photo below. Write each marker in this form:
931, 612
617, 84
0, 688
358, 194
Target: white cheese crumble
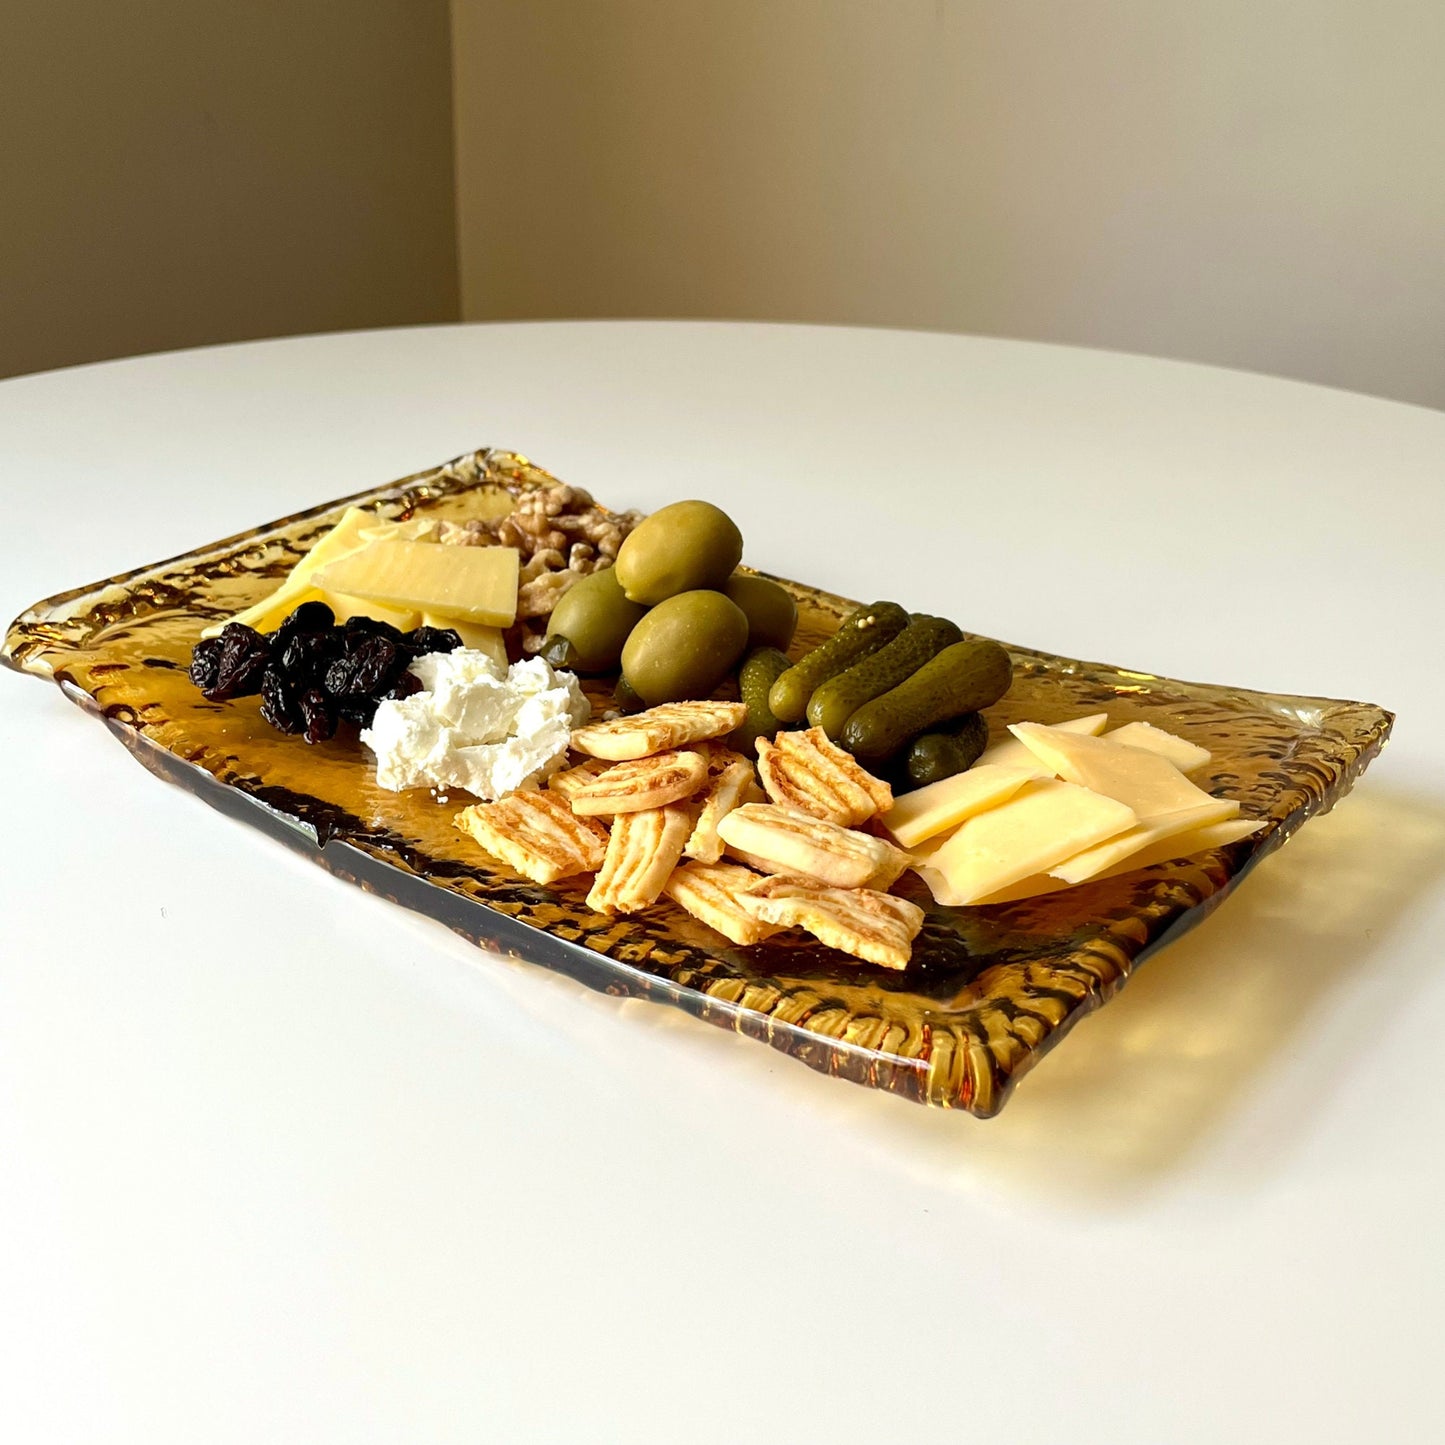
476, 725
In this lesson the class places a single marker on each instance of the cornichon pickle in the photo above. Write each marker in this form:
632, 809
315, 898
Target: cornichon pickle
861, 632
756, 676
836, 700
933, 756
966, 677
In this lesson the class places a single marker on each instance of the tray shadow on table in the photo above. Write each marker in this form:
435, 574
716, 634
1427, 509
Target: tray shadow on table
1138, 1088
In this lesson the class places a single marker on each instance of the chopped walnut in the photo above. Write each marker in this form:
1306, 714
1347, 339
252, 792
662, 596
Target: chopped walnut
562, 535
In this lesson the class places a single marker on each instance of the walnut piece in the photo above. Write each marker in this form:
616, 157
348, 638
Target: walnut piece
562, 535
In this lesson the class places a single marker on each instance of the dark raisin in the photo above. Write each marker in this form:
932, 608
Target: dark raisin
242, 659
278, 702
407, 684
306, 656
423, 640
363, 628
358, 710
309, 617
366, 669
318, 721
206, 663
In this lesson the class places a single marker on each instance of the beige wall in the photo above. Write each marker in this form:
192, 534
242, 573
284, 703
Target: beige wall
1259, 183
174, 172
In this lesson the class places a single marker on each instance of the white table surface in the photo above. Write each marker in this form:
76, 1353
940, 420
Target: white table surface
281, 1162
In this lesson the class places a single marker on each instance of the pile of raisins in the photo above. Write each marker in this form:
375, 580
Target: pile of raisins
313, 675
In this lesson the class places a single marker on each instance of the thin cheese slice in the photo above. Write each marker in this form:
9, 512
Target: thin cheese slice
477, 584
299, 586
924, 814
347, 607
1041, 825
1034, 886
1112, 851
1011, 753
1186, 845
1143, 781
1185, 756
472, 634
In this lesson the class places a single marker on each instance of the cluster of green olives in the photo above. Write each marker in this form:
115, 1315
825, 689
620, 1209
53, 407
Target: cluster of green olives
673, 614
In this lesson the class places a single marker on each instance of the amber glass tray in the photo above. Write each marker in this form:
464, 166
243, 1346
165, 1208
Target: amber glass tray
989, 989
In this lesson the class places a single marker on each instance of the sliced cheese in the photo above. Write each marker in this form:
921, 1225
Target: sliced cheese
417, 529
473, 635
346, 608
1185, 756
1042, 824
299, 586
1186, 845
1010, 753
924, 814
1115, 850
476, 584
1143, 781
1033, 886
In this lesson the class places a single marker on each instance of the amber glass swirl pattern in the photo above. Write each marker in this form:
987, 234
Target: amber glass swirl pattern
989, 989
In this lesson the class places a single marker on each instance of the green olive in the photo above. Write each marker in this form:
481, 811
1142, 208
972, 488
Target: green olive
681, 548
589, 624
684, 647
771, 612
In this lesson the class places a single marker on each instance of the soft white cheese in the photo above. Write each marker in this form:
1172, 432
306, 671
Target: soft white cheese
476, 725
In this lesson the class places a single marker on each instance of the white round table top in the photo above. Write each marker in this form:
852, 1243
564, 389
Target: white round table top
285, 1162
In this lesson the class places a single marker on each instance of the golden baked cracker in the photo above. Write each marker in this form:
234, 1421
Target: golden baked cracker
711, 892
631, 787
569, 780
672, 725
642, 850
862, 922
725, 790
536, 834
784, 840
803, 770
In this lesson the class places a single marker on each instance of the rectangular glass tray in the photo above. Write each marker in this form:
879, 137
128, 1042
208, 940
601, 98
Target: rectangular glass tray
989, 990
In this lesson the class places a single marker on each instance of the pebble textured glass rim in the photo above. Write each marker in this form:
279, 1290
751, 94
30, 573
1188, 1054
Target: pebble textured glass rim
990, 990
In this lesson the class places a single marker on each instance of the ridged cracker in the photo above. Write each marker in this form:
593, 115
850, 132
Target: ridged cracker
712, 892
672, 725
642, 850
803, 770
862, 922
537, 834
643, 783
784, 840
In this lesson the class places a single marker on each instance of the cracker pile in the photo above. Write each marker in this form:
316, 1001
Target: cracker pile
658, 800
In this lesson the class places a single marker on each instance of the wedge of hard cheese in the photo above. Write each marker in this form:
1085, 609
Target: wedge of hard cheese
299, 585
473, 635
1105, 855
1185, 756
476, 584
929, 811
1043, 823
1149, 784
1011, 753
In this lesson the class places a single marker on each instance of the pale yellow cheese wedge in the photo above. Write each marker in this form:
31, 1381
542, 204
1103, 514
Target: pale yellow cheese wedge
347, 607
1043, 823
476, 584
1093, 861
1034, 886
416, 529
299, 585
472, 634
1185, 756
1143, 781
1011, 753
1186, 845
924, 814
